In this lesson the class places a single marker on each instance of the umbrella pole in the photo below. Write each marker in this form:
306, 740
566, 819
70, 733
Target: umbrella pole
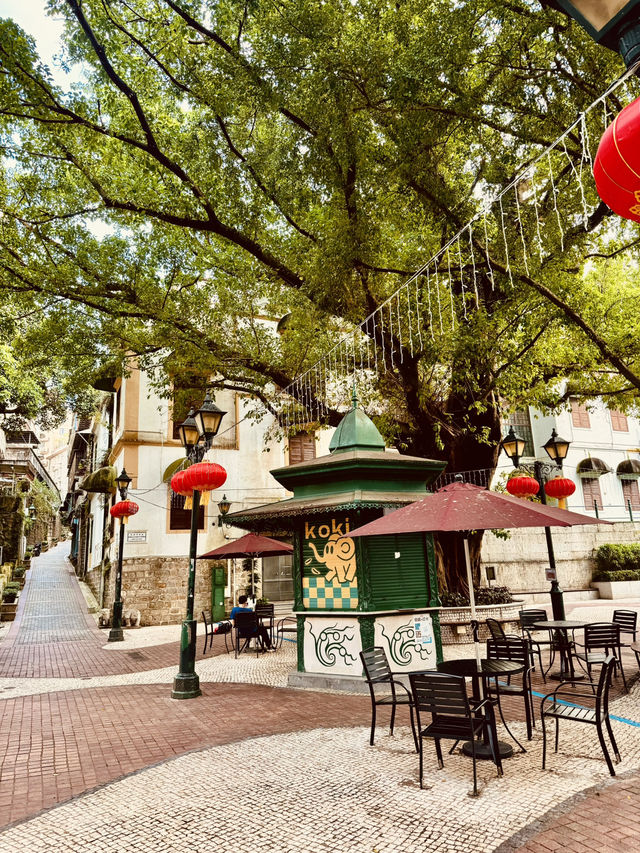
472, 603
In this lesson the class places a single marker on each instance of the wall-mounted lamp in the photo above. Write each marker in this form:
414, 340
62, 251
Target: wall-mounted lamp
223, 508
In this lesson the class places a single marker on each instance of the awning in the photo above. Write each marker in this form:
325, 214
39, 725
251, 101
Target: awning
171, 469
592, 468
629, 469
102, 481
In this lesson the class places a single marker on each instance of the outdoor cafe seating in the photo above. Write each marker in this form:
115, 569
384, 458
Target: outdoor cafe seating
453, 717
593, 709
601, 639
519, 684
384, 689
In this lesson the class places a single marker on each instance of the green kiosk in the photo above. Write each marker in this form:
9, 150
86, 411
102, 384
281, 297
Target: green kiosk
350, 594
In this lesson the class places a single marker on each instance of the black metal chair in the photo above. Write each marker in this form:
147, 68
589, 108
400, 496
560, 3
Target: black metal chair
495, 629
627, 620
453, 716
515, 649
601, 639
265, 615
286, 625
528, 618
208, 630
245, 629
596, 715
383, 688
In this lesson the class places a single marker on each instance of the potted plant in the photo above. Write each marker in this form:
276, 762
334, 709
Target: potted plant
19, 575
9, 601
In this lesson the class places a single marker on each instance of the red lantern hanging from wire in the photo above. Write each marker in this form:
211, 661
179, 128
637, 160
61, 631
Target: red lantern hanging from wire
616, 169
179, 487
560, 488
204, 477
523, 487
124, 509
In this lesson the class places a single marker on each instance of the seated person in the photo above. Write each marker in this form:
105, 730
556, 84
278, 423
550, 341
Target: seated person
261, 632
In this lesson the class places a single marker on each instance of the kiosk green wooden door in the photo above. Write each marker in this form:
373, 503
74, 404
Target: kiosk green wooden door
217, 593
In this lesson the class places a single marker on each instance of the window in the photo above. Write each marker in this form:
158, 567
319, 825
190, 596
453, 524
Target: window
179, 517
302, 447
190, 394
579, 415
631, 493
521, 423
591, 492
619, 421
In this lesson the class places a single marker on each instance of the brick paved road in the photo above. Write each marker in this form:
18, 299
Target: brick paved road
56, 746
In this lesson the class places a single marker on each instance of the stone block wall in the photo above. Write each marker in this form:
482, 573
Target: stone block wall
157, 587
520, 561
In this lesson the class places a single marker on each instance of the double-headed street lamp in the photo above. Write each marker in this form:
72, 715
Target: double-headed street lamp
121, 510
557, 449
197, 433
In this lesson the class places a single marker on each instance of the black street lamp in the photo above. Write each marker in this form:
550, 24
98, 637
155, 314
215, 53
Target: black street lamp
556, 449
612, 23
223, 508
197, 433
116, 633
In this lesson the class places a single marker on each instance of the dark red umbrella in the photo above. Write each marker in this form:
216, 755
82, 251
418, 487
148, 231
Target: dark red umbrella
464, 507
249, 545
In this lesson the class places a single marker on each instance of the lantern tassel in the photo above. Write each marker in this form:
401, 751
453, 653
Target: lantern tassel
125, 519
188, 503
204, 498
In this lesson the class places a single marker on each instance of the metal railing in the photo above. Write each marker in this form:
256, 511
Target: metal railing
14, 456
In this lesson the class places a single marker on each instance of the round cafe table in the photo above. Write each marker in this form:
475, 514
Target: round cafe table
468, 667
561, 640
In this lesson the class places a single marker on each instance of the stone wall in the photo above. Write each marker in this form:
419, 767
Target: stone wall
520, 561
157, 587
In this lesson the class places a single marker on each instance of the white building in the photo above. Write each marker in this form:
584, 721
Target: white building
603, 458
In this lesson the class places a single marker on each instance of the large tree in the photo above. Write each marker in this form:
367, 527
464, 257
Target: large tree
230, 163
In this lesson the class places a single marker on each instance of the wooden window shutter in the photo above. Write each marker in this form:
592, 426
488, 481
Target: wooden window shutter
619, 421
631, 493
302, 447
591, 492
580, 415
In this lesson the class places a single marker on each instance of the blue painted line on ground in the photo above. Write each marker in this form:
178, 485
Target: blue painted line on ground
575, 705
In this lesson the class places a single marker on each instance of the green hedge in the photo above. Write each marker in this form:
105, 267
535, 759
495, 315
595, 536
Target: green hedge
617, 563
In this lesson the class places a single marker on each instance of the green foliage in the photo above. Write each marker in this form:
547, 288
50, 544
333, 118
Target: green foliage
617, 562
215, 173
621, 575
484, 595
10, 592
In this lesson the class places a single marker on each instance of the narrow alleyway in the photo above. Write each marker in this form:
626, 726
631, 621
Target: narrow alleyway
95, 755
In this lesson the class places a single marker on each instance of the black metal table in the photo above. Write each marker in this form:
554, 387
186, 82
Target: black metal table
468, 667
561, 641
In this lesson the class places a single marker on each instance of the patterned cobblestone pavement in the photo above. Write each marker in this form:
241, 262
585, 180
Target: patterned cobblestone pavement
91, 736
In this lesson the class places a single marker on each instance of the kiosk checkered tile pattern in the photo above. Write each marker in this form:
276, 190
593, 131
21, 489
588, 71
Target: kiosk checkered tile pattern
318, 594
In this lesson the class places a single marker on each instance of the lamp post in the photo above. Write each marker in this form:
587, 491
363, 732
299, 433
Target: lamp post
556, 449
612, 23
115, 634
197, 433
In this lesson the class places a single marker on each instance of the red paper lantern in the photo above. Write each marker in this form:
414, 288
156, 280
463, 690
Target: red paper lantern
123, 509
204, 477
559, 488
616, 169
180, 488
522, 487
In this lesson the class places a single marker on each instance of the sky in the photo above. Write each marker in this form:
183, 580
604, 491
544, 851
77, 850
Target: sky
47, 31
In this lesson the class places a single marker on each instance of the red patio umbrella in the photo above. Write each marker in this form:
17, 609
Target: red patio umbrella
463, 507
249, 545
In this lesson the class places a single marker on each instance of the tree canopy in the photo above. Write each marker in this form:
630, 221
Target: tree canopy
227, 164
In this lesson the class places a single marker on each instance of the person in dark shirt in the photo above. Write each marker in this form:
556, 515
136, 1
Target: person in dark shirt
262, 632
